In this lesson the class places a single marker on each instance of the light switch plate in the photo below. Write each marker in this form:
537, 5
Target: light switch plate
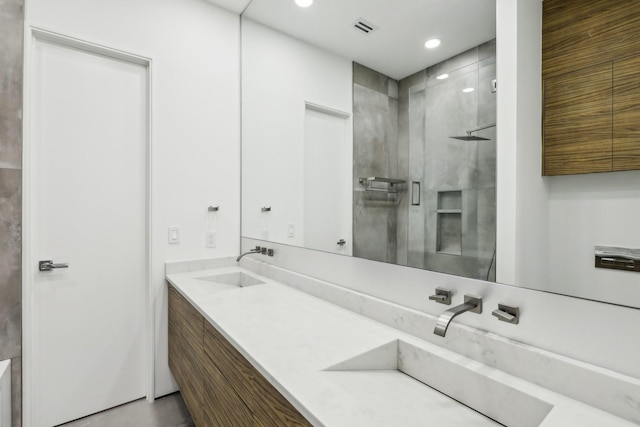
174, 235
210, 239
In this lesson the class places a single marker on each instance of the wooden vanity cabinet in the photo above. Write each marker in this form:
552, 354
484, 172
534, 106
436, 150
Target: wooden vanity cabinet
591, 86
269, 407
222, 406
230, 391
186, 335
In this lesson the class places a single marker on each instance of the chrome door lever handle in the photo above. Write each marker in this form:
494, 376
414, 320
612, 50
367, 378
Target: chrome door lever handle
48, 265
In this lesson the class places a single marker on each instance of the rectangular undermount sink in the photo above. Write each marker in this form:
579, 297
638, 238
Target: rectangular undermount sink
236, 278
471, 383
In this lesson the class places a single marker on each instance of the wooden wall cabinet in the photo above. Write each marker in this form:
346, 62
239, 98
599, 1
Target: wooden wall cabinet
220, 387
591, 86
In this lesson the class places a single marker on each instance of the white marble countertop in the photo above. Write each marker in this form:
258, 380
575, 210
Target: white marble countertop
292, 338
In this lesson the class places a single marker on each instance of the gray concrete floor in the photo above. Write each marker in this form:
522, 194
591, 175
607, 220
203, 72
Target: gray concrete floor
167, 411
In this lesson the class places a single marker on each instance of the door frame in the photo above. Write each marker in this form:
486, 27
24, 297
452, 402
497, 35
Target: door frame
29, 260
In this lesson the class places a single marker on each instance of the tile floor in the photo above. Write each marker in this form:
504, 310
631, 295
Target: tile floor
167, 411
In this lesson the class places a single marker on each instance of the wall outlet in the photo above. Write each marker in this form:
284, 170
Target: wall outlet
210, 239
174, 235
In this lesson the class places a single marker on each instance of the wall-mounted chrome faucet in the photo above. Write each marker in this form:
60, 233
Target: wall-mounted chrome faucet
471, 303
255, 250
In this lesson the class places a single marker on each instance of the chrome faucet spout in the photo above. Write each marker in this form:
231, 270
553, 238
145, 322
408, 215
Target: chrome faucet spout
472, 304
257, 250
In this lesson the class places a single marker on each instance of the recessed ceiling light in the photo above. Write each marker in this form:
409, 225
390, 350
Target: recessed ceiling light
304, 3
468, 89
443, 76
430, 44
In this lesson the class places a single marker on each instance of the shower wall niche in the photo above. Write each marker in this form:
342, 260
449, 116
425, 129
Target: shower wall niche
403, 130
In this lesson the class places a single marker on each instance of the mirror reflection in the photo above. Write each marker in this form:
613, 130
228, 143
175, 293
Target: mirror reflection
424, 165
366, 143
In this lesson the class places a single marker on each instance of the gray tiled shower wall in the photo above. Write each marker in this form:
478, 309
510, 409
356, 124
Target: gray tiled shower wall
415, 145
375, 142
11, 54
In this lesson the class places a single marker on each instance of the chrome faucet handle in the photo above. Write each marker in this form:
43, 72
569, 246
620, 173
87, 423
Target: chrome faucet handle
507, 314
442, 296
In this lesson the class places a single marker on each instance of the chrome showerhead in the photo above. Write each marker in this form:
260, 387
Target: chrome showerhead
469, 138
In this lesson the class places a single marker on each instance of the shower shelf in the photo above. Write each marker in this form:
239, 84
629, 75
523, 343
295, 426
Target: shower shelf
449, 211
384, 185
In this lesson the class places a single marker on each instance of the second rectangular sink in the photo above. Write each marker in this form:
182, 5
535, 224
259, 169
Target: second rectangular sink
471, 383
236, 278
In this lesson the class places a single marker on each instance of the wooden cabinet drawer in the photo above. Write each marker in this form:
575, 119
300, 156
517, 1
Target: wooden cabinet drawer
219, 386
222, 407
174, 336
235, 368
271, 408
186, 334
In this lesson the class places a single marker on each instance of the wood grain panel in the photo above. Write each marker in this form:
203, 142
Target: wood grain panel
193, 329
175, 342
577, 34
233, 365
186, 334
626, 114
271, 408
219, 386
193, 387
222, 407
578, 123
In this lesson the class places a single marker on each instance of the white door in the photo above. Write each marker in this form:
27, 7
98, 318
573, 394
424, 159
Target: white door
327, 180
88, 209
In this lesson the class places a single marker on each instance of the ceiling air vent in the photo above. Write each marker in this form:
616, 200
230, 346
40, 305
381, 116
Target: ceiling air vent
364, 26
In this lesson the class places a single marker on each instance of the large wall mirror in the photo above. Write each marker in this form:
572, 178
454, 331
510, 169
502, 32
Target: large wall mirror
360, 141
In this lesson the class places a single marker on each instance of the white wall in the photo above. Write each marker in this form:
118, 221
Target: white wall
522, 232
548, 226
195, 49
280, 75
586, 211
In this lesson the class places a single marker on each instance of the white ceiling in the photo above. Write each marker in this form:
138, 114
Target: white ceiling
396, 48
235, 6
